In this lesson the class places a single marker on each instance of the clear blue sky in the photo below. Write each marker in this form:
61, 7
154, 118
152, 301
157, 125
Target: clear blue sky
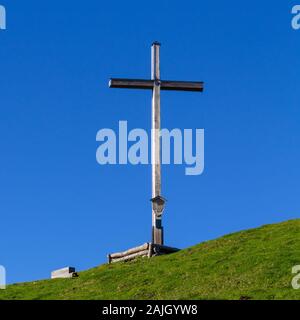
59, 207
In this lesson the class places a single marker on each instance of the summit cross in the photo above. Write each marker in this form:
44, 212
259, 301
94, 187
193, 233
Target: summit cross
156, 84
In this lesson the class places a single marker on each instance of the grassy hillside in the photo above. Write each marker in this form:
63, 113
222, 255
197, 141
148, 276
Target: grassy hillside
252, 264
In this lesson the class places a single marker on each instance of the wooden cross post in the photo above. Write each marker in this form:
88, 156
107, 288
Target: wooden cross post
157, 229
156, 85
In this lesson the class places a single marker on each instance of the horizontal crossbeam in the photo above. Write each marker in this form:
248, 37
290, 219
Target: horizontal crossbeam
182, 85
164, 84
131, 84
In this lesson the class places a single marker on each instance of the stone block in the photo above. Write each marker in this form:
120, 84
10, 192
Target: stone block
67, 272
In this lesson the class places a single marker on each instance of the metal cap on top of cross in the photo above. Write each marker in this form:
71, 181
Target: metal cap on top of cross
156, 85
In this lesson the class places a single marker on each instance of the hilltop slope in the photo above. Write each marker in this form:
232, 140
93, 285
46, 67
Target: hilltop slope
252, 264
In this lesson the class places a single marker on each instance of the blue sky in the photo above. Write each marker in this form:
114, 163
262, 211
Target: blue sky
58, 207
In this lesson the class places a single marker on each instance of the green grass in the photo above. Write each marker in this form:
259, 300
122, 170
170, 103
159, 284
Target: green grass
252, 264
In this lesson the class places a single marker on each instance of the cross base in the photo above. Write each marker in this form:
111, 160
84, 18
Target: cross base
148, 249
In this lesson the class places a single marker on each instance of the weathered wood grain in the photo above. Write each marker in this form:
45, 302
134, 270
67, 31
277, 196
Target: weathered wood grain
131, 256
145, 250
130, 251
